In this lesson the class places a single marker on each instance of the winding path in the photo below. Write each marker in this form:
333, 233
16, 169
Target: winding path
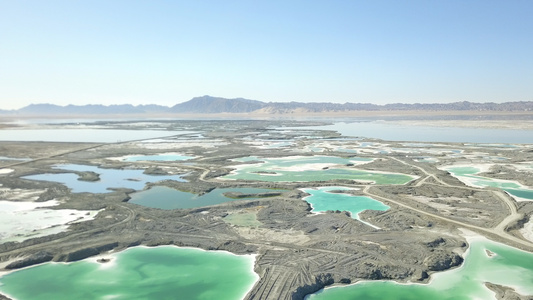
499, 230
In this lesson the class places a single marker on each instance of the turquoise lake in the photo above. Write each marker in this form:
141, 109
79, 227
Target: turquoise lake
169, 198
109, 178
164, 272
468, 175
507, 266
311, 168
321, 199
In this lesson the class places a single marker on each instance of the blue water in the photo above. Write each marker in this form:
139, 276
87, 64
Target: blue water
109, 178
400, 132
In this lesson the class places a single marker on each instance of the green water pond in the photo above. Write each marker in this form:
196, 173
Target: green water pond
312, 168
164, 272
322, 199
501, 265
168, 198
468, 175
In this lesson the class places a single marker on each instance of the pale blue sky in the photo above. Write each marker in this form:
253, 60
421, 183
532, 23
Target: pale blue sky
166, 52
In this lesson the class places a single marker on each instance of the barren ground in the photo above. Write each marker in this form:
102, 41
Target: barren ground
298, 252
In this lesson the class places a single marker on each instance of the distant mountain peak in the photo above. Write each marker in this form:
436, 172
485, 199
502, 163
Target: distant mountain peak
212, 105
208, 104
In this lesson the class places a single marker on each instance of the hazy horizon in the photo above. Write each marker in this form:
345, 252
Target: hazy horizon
165, 53
170, 105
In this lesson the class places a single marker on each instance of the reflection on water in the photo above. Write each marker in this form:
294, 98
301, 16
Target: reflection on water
109, 178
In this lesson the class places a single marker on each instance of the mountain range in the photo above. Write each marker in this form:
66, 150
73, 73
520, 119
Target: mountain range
217, 105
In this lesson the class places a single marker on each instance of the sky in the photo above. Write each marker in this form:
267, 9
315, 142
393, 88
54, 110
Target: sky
167, 52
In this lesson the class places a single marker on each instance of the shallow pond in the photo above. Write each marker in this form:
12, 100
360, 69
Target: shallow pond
109, 178
322, 199
165, 272
312, 168
467, 175
245, 219
504, 266
169, 198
